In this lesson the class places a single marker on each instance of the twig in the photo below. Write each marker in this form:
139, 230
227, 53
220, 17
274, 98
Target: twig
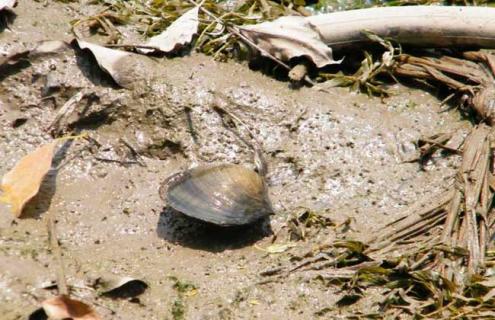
54, 245
135, 153
121, 162
260, 160
439, 145
271, 272
67, 109
131, 46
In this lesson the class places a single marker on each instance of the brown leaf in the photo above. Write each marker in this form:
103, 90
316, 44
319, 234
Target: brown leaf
63, 307
23, 181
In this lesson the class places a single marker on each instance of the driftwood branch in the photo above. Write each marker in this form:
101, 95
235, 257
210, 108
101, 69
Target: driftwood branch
419, 26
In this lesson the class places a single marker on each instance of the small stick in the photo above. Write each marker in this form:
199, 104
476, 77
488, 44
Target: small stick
54, 245
260, 160
135, 153
131, 46
66, 110
439, 145
271, 272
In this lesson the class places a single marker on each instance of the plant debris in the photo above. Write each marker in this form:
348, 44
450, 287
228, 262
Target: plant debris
184, 290
23, 182
434, 261
62, 307
306, 222
7, 4
179, 34
277, 247
120, 287
214, 37
125, 68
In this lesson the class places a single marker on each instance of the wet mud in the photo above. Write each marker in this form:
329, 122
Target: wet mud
344, 154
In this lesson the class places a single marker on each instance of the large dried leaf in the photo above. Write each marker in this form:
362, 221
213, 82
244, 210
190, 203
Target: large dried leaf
127, 69
177, 35
290, 37
108, 59
63, 307
23, 181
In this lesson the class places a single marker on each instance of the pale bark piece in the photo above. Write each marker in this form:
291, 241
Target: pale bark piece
179, 34
290, 37
63, 307
419, 26
23, 182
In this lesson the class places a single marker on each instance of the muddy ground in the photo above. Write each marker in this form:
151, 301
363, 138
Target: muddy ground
338, 153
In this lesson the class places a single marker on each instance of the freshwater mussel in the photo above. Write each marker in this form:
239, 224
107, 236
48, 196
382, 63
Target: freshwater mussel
226, 195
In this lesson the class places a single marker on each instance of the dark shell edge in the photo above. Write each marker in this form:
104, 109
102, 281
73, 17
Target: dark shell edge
177, 178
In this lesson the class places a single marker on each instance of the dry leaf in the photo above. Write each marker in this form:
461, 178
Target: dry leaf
177, 35
290, 37
191, 293
490, 295
124, 67
23, 181
489, 282
277, 247
63, 307
108, 59
49, 46
7, 4
66, 110
13, 58
43, 48
120, 287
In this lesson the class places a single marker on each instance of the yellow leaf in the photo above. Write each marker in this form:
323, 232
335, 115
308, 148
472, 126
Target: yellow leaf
254, 302
63, 307
22, 182
277, 248
191, 293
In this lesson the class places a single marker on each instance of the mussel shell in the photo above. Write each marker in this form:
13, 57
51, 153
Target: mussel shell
225, 195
